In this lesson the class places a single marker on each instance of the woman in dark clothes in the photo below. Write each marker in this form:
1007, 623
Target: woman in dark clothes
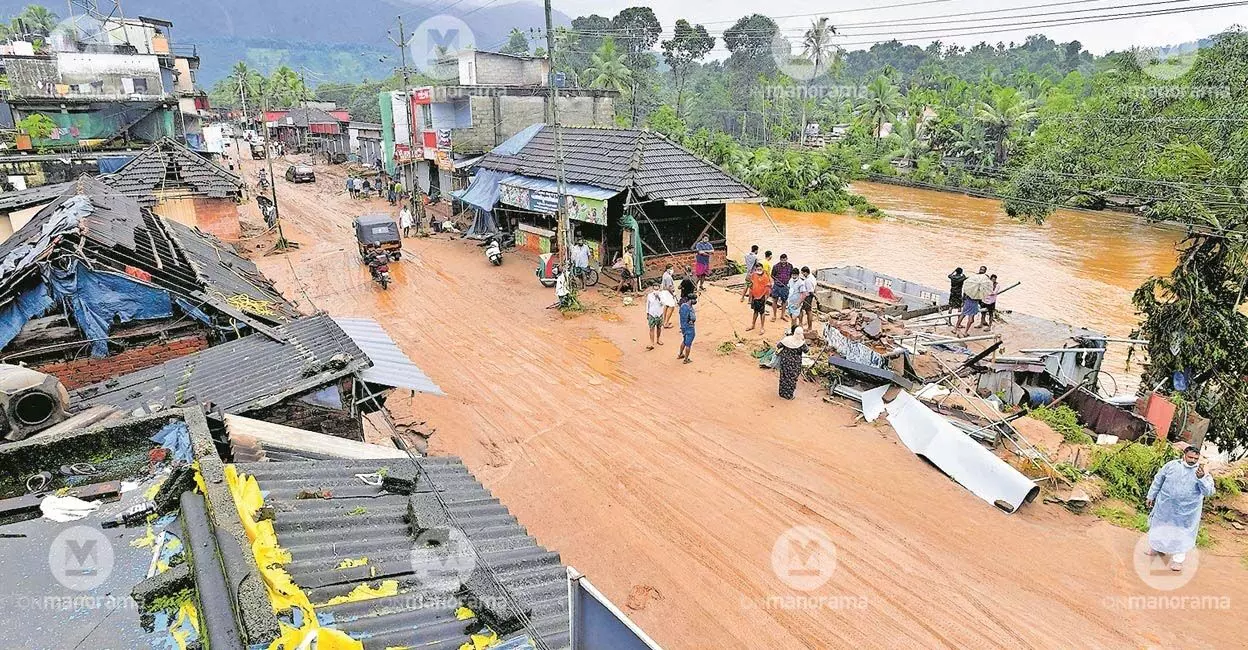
789, 352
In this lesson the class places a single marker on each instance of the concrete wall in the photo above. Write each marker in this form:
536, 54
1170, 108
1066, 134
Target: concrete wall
84, 372
488, 69
186, 82
494, 119
75, 75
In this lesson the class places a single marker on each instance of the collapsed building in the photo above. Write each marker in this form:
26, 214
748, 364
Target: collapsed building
95, 285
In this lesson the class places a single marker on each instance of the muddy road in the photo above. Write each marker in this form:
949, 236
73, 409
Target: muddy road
670, 485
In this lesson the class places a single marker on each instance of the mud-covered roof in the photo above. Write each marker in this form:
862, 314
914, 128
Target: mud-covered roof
656, 168
381, 534
169, 164
239, 376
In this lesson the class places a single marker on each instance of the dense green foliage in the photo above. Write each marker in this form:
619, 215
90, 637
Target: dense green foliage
1128, 468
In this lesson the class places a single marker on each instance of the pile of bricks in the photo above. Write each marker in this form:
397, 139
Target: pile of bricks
84, 372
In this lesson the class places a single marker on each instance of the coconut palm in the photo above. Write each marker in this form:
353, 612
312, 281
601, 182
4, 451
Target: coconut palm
35, 20
818, 48
1002, 115
607, 68
880, 105
912, 139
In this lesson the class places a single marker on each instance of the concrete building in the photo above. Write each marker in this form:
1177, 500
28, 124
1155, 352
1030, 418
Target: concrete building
108, 83
492, 97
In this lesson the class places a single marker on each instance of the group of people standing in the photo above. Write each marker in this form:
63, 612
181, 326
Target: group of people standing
662, 305
792, 294
982, 302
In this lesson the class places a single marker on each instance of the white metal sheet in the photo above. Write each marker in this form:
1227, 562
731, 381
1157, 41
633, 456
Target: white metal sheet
390, 366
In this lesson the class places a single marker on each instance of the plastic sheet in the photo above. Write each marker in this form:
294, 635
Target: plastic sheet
930, 435
177, 439
98, 298
30, 303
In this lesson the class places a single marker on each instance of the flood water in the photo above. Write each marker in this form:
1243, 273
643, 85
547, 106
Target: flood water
1078, 268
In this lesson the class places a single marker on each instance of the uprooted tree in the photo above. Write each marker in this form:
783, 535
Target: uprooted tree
1194, 173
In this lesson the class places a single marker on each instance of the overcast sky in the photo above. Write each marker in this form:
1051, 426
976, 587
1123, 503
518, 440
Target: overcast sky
948, 18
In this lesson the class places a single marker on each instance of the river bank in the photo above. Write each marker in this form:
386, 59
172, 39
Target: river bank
670, 485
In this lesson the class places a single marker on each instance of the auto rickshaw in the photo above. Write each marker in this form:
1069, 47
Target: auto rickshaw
378, 232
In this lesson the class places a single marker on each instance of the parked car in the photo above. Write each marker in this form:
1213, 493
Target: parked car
300, 174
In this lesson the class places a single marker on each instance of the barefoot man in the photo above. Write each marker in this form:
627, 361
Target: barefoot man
1175, 500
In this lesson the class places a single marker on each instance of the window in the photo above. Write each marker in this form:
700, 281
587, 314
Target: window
140, 85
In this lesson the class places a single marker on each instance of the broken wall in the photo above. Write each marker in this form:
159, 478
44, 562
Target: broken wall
77, 373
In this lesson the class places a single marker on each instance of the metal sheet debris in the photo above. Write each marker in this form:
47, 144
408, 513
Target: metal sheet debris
931, 436
873, 402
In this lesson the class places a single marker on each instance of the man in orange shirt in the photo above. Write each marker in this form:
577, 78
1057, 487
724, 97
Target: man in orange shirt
758, 287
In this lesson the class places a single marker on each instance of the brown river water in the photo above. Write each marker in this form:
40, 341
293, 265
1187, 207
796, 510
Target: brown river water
1078, 268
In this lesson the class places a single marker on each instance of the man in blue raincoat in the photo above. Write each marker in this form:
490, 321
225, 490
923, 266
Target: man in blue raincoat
1176, 497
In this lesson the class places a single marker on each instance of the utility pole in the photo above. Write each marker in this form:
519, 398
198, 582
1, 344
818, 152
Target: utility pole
561, 212
282, 245
409, 168
238, 154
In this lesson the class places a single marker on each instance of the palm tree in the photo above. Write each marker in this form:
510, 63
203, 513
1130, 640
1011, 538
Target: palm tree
912, 139
881, 104
817, 45
607, 68
1002, 116
35, 20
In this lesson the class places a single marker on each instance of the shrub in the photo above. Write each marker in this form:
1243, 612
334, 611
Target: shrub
1129, 468
1063, 420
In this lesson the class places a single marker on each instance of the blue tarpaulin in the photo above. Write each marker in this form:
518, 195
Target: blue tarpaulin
110, 164
512, 146
97, 298
483, 193
30, 303
175, 437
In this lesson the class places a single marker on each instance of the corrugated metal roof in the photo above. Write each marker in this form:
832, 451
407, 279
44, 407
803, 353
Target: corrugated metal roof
390, 366
656, 168
362, 521
239, 376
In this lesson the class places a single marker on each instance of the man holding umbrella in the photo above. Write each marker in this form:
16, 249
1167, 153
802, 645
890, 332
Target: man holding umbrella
975, 289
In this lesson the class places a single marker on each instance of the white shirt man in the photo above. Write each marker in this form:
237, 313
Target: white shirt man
580, 255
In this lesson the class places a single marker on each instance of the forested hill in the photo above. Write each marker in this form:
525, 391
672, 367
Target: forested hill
338, 41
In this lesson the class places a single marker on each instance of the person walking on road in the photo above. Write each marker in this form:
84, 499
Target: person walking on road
405, 221
688, 319
668, 284
654, 317
1175, 501
781, 273
789, 354
757, 288
702, 260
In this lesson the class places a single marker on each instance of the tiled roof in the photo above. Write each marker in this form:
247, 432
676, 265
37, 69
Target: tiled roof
655, 167
362, 521
239, 376
120, 234
168, 163
310, 115
10, 201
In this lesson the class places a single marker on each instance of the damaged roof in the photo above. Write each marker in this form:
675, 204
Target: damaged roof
170, 164
113, 231
362, 521
656, 168
239, 376
305, 116
32, 196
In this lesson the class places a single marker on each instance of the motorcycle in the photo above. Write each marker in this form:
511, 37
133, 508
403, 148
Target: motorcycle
379, 269
263, 182
494, 253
